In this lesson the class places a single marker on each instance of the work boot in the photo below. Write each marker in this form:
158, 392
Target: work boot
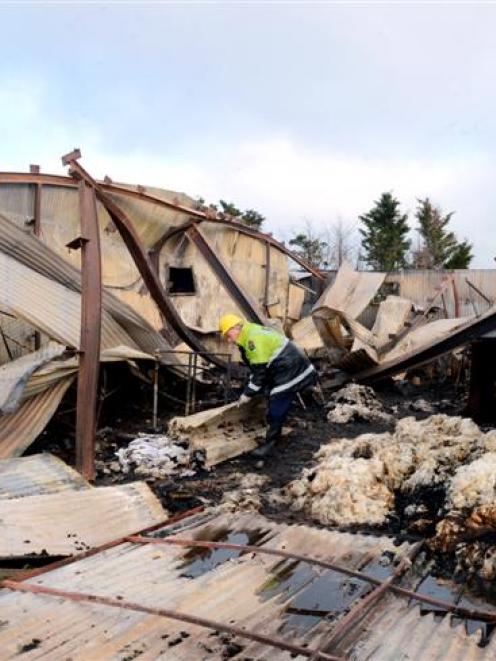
263, 450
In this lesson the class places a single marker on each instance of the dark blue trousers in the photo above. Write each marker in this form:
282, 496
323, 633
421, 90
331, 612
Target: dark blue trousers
277, 413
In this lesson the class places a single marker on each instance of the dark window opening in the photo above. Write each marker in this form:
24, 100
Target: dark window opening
180, 280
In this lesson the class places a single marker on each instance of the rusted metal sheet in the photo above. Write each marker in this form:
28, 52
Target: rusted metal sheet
418, 285
50, 306
459, 337
70, 521
27, 251
37, 474
257, 593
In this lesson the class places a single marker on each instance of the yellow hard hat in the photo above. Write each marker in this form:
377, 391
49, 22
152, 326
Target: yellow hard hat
228, 321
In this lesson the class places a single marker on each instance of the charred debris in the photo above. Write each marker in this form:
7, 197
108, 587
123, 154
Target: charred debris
111, 362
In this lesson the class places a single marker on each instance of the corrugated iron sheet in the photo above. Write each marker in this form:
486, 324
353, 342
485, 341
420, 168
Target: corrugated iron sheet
37, 474
397, 631
419, 286
71, 521
258, 592
35, 254
19, 429
15, 375
49, 306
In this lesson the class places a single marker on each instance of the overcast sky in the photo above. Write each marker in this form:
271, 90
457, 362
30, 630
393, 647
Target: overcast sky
303, 111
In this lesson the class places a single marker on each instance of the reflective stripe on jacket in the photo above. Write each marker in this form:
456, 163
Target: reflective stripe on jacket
275, 363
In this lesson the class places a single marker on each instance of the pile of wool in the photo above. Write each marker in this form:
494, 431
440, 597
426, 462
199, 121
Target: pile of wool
247, 496
158, 456
354, 481
343, 491
473, 484
355, 402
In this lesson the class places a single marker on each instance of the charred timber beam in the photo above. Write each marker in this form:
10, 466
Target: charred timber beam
198, 238
465, 335
54, 180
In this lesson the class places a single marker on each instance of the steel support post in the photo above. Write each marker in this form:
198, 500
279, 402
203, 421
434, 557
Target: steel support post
91, 312
267, 278
37, 232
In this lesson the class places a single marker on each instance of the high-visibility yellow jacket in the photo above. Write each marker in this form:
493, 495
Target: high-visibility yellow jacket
275, 363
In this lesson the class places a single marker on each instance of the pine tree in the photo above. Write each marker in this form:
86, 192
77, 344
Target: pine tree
310, 247
249, 217
384, 238
440, 248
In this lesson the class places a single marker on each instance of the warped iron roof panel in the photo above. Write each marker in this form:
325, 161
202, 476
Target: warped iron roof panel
37, 474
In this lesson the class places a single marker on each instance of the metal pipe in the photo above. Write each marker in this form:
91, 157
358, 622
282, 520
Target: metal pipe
464, 612
188, 387
193, 385
167, 613
267, 278
227, 386
155, 394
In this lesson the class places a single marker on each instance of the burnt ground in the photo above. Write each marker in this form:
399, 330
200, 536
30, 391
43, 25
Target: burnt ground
310, 430
128, 412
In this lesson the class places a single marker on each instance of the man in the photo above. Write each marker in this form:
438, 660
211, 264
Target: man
278, 369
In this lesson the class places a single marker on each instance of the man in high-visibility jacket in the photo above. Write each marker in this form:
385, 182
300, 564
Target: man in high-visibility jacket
278, 369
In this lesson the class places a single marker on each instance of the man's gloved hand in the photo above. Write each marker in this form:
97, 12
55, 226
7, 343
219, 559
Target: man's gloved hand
243, 400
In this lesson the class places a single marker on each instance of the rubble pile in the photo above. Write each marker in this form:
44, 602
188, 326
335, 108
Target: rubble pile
356, 403
355, 482
157, 456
